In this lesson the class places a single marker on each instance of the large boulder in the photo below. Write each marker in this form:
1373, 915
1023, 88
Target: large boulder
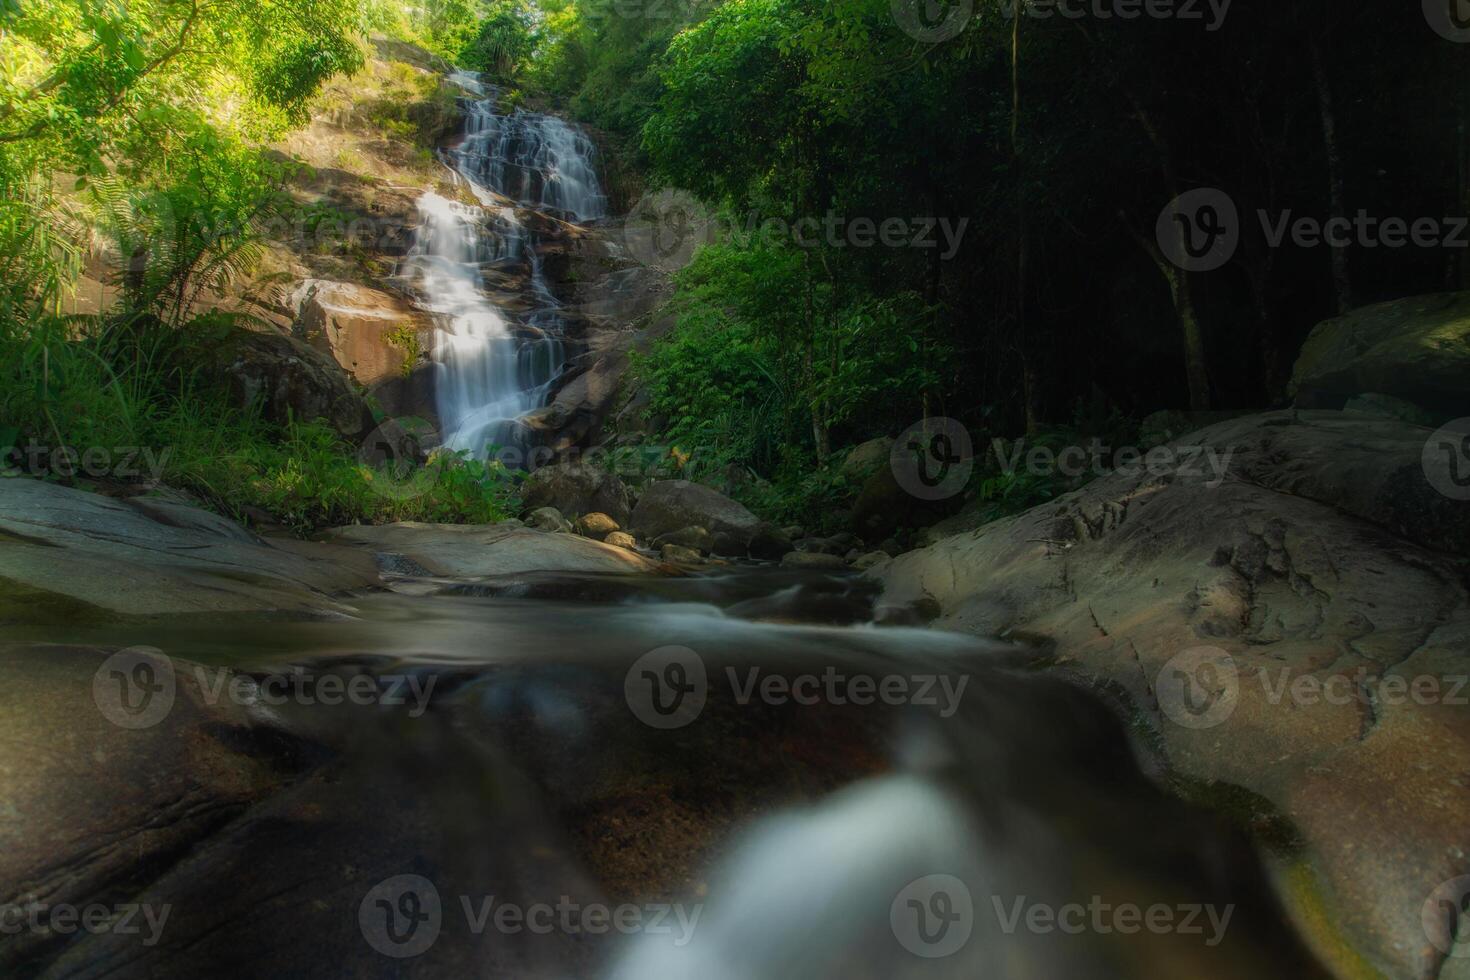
1324, 560
283, 376
73, 556
1414, 349
376, 336
672, 505
576, 489
475, 551
883, 507
867, 458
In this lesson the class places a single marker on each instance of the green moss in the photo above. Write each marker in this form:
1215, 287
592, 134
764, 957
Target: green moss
405, 338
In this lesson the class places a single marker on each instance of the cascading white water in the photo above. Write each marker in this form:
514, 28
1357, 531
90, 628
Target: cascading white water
495, 366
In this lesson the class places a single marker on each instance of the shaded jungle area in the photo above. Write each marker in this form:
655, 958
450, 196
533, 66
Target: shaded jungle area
1027, 158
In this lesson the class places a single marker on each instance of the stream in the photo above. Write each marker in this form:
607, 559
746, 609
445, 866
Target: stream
525, 793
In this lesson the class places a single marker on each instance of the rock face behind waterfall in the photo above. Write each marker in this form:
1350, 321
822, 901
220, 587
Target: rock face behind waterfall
542, 262
1324, 557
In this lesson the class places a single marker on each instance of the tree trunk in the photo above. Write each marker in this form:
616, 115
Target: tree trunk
1181, 290
1030, 371
1461, 76
1194, 340
1341, 279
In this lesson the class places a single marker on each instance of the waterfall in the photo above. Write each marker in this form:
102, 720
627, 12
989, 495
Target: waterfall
496, 363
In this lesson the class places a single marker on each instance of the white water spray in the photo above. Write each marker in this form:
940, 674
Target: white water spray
494, 365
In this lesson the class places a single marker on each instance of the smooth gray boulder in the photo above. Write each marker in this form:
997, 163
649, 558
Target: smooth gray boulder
469, 551
1324, 557
1416, 349
576, 489
73, 554
672, 505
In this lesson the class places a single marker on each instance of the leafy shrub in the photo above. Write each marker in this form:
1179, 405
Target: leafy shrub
80, 383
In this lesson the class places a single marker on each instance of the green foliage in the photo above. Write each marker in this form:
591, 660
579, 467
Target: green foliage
173, 245
503, 42
290, 77
406, 338
81, 384
740, 379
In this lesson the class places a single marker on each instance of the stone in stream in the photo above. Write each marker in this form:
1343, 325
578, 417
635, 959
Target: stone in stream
695, 538
469, 551
680, 554
576, 489
769, 542
548, 519
672, 505
870, 560
814, 561
1317, 556
621, 539
596, 526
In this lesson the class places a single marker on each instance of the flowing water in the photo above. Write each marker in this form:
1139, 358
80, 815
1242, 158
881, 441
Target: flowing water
497, 361
783, 822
